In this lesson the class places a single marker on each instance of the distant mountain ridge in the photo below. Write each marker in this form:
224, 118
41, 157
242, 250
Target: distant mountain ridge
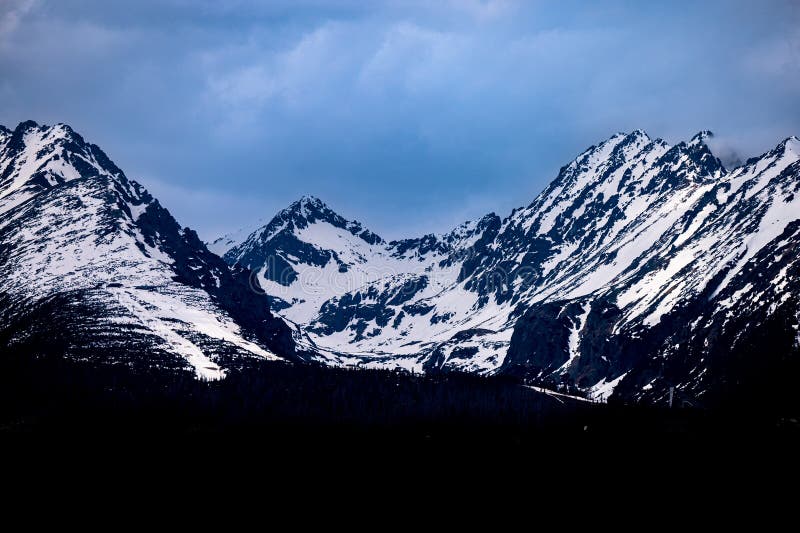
609, 280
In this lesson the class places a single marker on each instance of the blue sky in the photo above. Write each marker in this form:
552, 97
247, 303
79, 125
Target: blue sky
409, 116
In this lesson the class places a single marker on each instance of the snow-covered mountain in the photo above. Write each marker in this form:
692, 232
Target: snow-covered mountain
643, 270
342, 283
637, 269
93, 267
680, 308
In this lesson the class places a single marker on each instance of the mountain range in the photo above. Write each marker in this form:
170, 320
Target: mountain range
644, 268
644, 271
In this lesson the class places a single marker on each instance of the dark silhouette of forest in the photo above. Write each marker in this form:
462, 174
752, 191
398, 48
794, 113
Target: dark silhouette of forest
306, 403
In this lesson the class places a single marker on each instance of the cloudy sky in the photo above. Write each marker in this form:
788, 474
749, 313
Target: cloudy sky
410, 116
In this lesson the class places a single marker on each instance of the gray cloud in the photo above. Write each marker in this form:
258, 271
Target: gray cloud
408, 115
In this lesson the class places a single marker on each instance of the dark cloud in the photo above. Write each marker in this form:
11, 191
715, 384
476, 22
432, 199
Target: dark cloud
408, 115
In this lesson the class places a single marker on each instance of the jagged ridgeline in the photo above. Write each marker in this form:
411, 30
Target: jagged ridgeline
643, 270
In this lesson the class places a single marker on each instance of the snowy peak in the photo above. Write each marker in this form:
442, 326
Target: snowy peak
309, 210
592, 182
757, 172
791, 147
307, 204
620, 138
306, 237
598, 160
685, 164
786, 152
701, 152
35, 158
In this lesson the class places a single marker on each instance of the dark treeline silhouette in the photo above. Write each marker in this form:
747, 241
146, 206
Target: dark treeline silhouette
57, 393
308, 403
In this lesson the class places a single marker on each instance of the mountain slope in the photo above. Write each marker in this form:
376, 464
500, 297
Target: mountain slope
91, 265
